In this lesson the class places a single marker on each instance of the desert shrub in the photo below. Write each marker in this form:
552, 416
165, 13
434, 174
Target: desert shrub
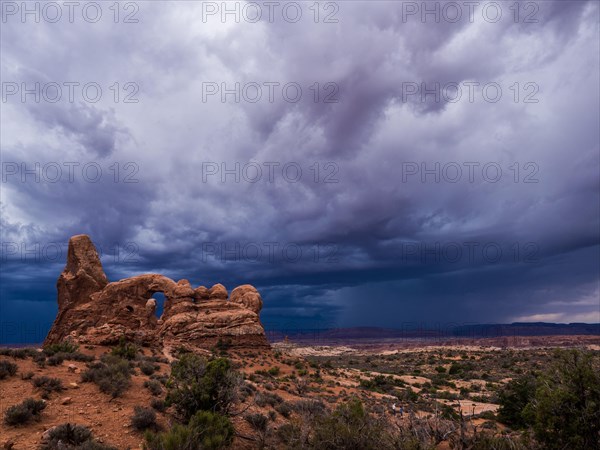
197, 385
273, 371
70, 434
245, 390
7, 369
24, 412
285, 409
485, 441
348, 427
47, 385
448, 412
310, 408
147, 368
461, 368
81, 357
125, 350
112, 375
379, 383
154, 387
205, 431
72, 437
61, 347
40, 359
513, 399
488, 415
56, 360
293, 435
566, 409
143, 418
263, 399
18, 353
446, 395
222, 346
161, 378
260, 424
156, 359
257, 421
407, 395
158, 404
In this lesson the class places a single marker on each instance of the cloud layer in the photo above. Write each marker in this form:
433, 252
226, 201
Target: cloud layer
429, 171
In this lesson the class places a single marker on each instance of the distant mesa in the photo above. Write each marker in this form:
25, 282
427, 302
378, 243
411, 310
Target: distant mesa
92, 310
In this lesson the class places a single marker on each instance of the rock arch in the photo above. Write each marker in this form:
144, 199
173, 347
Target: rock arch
92, 310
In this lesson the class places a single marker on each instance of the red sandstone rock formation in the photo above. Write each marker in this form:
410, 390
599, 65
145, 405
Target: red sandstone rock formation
93, 311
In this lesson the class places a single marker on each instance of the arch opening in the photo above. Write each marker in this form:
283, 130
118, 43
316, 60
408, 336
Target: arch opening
160, 303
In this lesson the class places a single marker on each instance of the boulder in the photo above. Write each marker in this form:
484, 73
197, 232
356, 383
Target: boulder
248, 296
217, 292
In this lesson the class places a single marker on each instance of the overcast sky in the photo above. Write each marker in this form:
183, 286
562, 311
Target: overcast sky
362, 163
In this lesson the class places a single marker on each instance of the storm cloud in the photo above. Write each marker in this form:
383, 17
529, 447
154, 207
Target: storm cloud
365, 163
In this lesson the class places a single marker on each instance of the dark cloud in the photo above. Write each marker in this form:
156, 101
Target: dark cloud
359, 238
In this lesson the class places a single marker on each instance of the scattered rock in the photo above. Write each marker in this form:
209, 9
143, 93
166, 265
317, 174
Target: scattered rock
46, 434
151, 305
73, 385
66, 401
72, 368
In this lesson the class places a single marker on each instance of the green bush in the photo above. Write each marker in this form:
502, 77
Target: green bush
18, 353
125, 350
147, 368
285, 409
47, 385
61, 347
143, 418
24, 412
292, 435
461, 368
223, 345
349, 427
112, 375
484, 441
72, 437
56, 360
7, 369
257, 421
309, 408
154, 387
513, 399
566, 410
205, 431
158, 404
40, 359
273, 371
197, 385
263, 399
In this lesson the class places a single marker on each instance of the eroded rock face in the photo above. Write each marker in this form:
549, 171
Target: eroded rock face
93, 311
